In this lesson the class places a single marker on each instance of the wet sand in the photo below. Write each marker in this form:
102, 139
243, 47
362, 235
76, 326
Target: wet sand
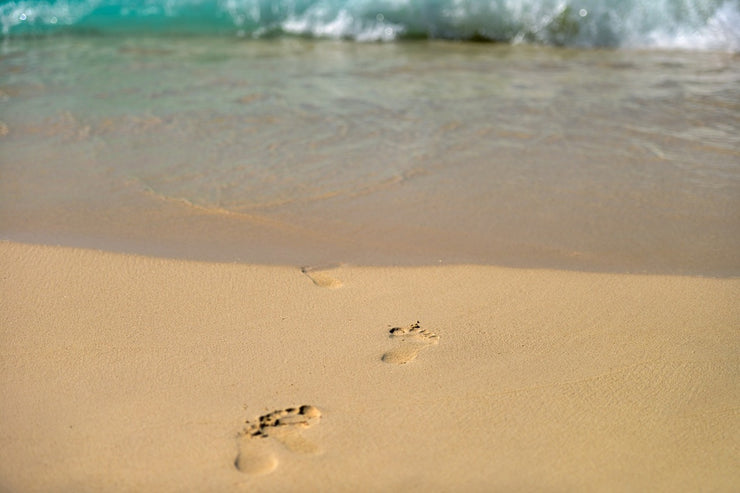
304, 152
123, 372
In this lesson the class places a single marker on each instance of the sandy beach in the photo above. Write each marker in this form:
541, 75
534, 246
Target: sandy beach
131, 373
341, 246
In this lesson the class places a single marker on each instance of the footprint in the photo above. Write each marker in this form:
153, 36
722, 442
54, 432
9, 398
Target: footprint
412, 340
258, 455
321, 279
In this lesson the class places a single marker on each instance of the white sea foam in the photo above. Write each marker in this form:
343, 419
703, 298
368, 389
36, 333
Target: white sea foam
720, 32
343, 26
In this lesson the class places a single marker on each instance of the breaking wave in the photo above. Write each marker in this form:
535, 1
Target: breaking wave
683, 24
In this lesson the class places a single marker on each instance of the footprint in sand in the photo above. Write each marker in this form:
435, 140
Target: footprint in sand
258, 454
412, 339
321, 279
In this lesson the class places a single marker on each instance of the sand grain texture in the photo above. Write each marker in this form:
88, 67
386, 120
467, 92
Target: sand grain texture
124, 373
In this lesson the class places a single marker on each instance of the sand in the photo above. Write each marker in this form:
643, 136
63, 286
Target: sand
131, 373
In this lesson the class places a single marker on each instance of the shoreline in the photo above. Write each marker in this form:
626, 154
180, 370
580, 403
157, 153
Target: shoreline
131, 372
270, 251
306, 153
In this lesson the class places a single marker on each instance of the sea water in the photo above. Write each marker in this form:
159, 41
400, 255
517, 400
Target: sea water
592, 135
675, 23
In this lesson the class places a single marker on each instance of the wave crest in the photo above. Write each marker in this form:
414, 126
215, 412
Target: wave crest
685, 24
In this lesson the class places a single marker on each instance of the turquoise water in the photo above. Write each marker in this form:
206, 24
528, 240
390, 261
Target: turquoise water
302, 152
688, 24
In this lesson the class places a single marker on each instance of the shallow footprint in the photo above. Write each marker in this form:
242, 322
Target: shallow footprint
321, 279
255, 458
257, 453
412, 340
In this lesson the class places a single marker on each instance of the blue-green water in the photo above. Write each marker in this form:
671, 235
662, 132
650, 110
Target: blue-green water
693, 24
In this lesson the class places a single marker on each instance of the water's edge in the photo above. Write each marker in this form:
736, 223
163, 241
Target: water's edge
303, 152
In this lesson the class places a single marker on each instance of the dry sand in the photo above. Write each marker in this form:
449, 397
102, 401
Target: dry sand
127, 373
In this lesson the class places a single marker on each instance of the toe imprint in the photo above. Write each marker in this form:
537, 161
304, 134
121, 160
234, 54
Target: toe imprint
412, 338
301, 417
256, 456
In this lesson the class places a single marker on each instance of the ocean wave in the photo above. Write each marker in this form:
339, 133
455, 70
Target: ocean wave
683, 24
